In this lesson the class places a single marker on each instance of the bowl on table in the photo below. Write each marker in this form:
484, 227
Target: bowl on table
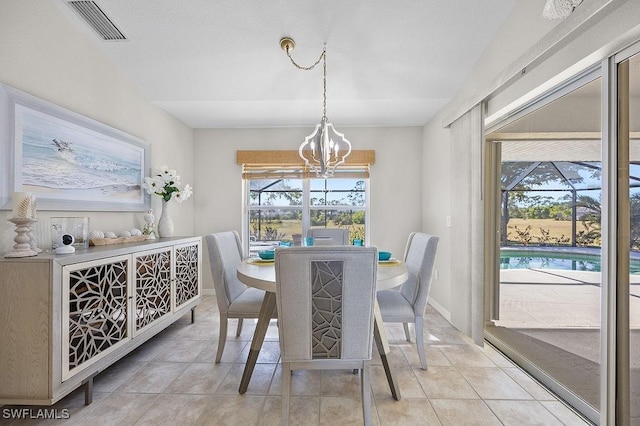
266, 254
384, 255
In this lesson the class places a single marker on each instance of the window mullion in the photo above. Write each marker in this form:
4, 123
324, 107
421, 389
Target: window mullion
306, 205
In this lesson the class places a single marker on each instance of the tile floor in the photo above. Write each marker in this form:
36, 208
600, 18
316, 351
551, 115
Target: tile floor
173, 380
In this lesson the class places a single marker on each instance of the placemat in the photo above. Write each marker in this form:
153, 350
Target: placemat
258, 261
390, 262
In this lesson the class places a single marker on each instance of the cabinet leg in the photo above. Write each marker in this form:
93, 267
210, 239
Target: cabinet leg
88, 391
193, 315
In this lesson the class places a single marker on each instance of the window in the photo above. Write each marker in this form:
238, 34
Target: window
283, 199
277, 209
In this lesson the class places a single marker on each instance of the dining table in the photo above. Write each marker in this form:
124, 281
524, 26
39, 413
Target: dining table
261, 274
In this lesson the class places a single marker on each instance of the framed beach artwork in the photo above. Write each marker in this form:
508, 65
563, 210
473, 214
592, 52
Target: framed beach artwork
68, 161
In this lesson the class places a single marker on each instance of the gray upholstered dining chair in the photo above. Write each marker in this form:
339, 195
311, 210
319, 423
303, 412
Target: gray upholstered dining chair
407, 303
325, 298
340, 236
235, 299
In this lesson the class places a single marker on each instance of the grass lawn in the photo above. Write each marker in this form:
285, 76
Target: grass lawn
287, 228
556, 228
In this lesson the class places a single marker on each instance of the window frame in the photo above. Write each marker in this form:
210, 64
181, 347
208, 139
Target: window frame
306, 207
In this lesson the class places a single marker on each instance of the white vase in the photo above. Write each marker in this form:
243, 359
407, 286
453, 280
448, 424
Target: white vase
165, 224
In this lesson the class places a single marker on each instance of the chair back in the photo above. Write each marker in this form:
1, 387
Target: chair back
225, 253
340, 236
419, 255
325, 298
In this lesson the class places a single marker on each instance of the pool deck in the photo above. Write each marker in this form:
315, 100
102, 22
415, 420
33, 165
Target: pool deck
552, 318
553, 298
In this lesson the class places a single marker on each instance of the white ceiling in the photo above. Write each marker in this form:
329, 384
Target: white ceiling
218, 63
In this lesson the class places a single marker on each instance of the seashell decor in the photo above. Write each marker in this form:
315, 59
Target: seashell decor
99, 238
96, 235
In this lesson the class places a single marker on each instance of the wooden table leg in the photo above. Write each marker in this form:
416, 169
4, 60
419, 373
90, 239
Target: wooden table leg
266, 311
382, 343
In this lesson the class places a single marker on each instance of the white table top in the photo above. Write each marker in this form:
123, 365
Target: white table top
262, 275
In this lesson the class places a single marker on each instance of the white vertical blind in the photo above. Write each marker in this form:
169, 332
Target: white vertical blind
467, 225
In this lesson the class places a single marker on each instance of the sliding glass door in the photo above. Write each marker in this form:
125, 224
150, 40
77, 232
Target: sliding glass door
628, 235
547, 312
564, 179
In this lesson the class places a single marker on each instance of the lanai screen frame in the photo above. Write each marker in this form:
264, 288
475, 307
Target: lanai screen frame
571, 186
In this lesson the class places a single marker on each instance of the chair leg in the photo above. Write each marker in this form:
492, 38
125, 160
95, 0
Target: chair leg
286, 392
406, 331
221, 338
420, 342
366, 394
239, 330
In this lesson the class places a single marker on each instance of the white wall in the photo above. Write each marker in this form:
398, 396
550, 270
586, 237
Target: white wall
395, 178
521, 30
44, 54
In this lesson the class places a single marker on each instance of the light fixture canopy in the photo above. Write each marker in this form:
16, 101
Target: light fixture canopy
325, 148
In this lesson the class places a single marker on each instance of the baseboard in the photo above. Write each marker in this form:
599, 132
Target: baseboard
441, 310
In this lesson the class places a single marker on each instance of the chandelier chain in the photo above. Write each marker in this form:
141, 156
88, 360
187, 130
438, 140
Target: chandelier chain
323, 58
309, 68
325, 148
324, 83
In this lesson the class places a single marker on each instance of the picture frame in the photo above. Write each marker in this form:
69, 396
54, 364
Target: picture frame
66, 160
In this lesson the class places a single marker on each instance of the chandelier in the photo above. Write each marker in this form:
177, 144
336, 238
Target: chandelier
325, 148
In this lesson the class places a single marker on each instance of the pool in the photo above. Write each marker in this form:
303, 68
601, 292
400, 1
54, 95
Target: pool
549, 259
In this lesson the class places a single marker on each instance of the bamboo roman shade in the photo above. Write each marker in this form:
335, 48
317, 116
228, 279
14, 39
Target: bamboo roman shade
287, 164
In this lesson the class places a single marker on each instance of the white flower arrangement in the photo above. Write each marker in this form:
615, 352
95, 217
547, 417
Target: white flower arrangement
166, 184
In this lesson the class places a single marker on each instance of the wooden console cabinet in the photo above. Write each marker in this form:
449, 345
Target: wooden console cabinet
65, 318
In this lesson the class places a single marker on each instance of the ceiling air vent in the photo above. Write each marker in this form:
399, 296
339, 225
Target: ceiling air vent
97, 19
